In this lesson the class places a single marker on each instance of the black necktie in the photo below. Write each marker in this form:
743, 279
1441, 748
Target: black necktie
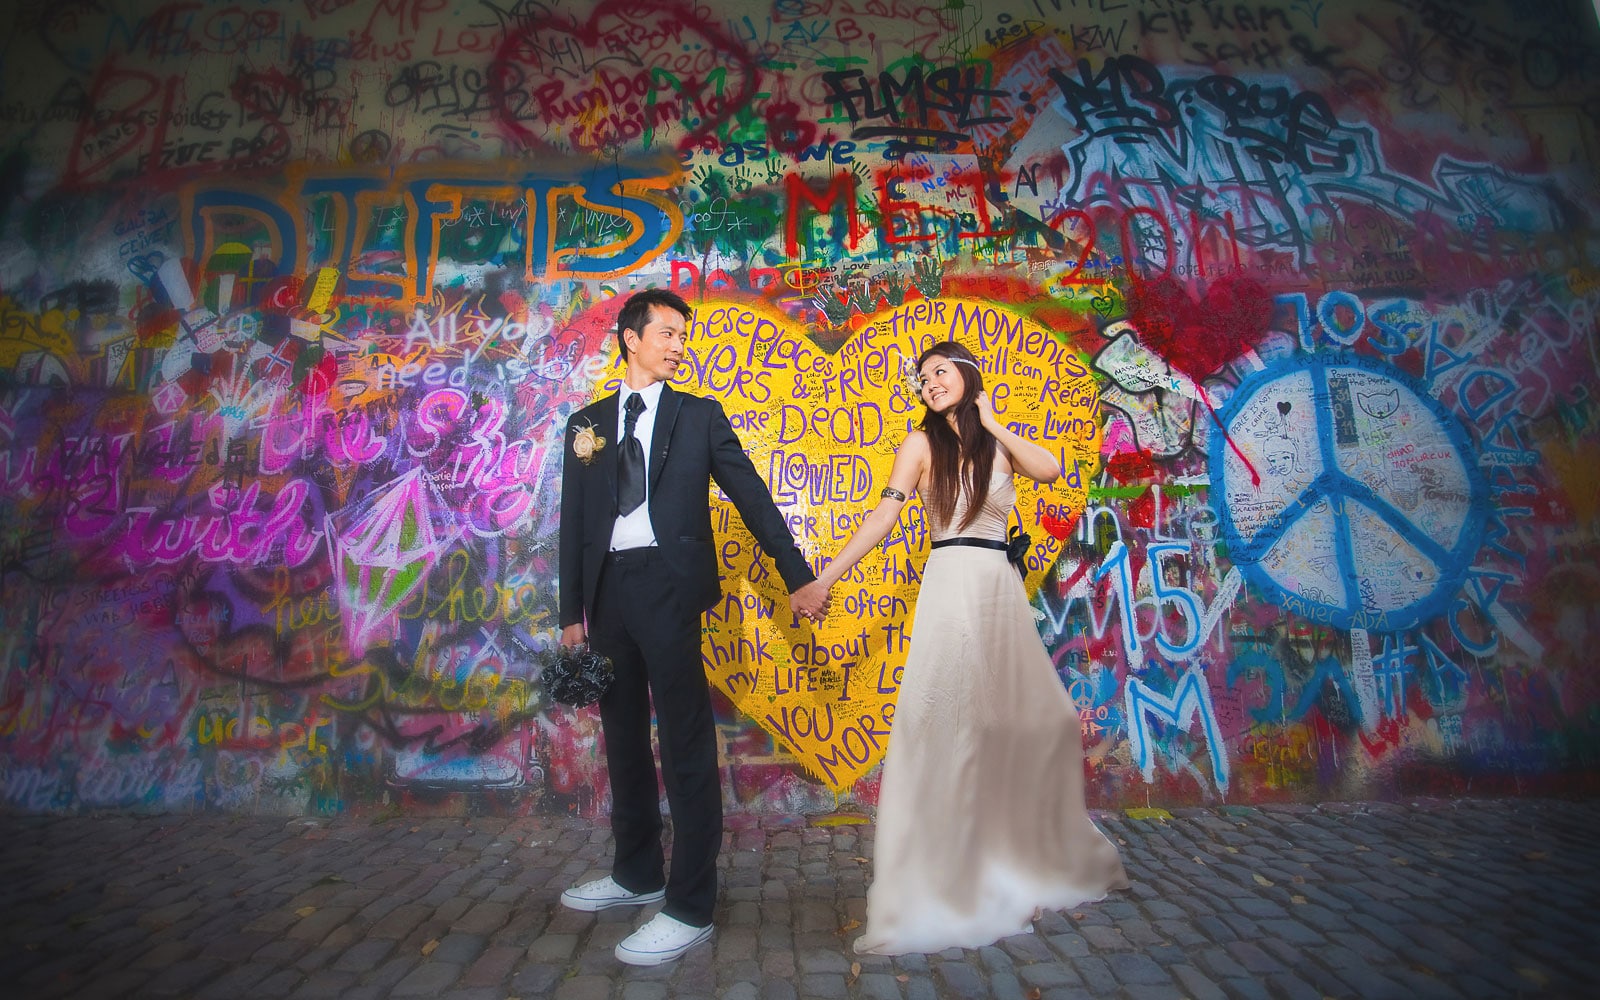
630, 461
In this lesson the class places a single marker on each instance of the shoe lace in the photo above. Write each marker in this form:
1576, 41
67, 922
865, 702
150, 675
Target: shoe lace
659, 929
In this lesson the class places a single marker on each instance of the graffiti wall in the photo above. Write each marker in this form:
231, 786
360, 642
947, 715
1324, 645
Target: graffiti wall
297, 295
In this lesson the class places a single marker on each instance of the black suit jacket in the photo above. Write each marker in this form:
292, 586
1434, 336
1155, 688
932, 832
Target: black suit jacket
692, 444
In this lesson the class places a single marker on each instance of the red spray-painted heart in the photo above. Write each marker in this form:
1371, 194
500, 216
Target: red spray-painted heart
1198, 338
615, 79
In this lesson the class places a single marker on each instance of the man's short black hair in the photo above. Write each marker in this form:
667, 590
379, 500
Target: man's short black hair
636, 311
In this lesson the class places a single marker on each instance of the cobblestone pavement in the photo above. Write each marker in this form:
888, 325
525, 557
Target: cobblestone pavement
1433, 899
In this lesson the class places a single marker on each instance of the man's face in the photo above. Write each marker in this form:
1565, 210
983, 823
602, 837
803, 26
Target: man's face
655, 351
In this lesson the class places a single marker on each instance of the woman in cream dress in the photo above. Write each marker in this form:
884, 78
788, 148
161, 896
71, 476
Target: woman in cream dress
981, 817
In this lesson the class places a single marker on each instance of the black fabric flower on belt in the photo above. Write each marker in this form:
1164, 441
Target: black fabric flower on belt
578, 676
1017, 543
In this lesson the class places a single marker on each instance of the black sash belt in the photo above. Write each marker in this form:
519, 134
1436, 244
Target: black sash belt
977, 543
1016, 549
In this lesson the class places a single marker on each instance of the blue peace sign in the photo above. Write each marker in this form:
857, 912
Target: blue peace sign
1346, 493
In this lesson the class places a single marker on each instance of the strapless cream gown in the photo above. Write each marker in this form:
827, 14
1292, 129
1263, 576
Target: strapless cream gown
981, 816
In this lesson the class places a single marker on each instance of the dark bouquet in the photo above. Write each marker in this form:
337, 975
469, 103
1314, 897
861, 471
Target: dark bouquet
578, 676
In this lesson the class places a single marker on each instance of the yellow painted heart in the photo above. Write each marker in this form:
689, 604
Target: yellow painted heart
822, 429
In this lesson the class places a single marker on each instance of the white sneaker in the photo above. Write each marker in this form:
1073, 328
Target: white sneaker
661, 940
604, 893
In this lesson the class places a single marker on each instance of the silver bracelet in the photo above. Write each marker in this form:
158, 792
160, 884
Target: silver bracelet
890, 493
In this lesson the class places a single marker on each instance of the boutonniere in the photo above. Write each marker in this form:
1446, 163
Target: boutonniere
586, 444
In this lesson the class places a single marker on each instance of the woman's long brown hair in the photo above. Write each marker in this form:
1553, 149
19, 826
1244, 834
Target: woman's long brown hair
969, 455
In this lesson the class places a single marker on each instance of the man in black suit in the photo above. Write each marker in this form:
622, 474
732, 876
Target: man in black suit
639, 564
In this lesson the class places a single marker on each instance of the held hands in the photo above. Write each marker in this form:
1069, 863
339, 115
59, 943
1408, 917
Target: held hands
810, 602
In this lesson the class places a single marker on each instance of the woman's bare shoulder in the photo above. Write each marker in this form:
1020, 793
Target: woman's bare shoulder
915, 445
1002, 459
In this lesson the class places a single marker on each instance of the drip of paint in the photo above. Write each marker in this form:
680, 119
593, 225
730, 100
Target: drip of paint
1255, 477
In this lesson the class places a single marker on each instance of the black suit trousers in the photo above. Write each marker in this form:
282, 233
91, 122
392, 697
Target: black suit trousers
644, 623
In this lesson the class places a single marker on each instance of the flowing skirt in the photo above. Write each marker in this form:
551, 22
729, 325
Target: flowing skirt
981, 817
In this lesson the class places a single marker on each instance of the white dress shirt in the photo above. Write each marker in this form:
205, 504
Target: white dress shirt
634, 530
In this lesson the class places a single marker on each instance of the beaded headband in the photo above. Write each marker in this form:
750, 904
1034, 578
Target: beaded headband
911, 378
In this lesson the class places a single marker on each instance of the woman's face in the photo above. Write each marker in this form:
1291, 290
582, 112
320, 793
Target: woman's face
942, 385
